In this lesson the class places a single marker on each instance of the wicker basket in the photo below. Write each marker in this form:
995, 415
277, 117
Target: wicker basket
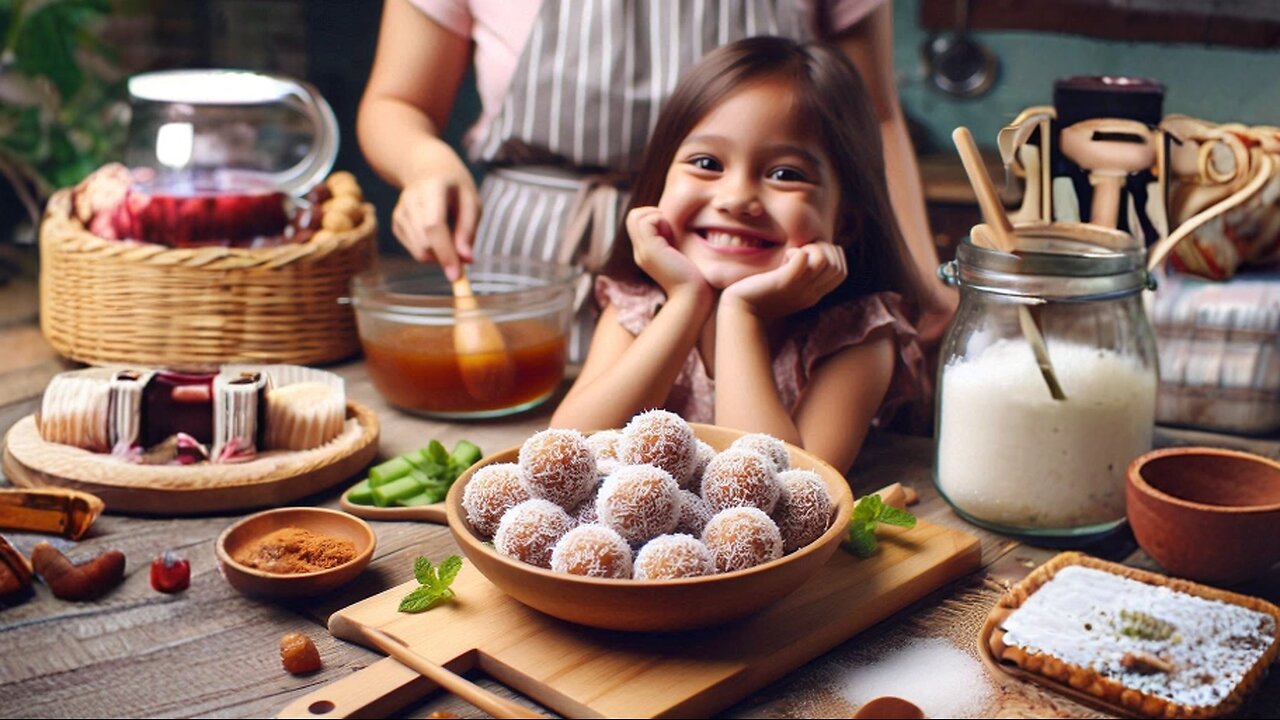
105, 301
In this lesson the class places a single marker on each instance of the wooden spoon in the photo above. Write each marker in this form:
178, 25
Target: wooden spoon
488, 372
495, 705
1002, 235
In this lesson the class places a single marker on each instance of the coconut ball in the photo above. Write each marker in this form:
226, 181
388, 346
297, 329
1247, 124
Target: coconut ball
694, 514
585, 514
702, 454
594, 551
668, 557
767, 445
558, 466
742, 537
662, 439
640, 502
803, 512
604, 445
491, 492
738, 478
529, 531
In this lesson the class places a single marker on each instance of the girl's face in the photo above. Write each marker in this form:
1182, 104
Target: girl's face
747, 183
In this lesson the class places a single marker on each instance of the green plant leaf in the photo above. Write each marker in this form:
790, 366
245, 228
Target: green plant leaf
433, 584
436, 452
449, 570
869, 512
424, 571
862, 539
891, 515
45, 43
424, 598
868, 509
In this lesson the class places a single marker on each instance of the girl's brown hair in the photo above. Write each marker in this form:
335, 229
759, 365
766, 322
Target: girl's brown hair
828, 96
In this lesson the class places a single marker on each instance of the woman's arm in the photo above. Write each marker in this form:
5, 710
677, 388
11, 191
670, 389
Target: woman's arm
869, 44
416, 72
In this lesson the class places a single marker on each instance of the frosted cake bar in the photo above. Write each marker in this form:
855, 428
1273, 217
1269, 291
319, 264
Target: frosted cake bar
1139, 641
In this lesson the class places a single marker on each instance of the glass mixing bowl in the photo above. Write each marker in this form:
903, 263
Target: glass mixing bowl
409, 328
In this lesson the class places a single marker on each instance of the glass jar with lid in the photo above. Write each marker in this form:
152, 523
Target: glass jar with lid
222, 156
1010, 457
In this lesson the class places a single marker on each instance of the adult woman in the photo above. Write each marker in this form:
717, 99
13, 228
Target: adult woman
570, 90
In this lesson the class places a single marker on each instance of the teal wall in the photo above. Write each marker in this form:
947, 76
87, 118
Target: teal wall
1214, 83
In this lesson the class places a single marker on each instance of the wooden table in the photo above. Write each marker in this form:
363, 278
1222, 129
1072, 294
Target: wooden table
212, 652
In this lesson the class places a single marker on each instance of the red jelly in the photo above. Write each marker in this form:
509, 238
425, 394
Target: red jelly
170, 573
218, 207
175, 402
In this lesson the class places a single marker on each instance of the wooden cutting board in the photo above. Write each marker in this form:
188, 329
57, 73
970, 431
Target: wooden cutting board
583, 672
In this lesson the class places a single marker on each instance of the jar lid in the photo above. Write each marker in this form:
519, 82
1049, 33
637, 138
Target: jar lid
1059, 261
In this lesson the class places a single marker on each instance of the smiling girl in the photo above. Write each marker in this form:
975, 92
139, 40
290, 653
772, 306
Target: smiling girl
761, 283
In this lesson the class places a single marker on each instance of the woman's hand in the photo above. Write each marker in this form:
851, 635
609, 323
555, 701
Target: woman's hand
651, 245
443, 195
806, 275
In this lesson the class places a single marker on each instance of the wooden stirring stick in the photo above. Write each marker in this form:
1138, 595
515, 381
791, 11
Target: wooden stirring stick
487, 370
496, 706
1002, 236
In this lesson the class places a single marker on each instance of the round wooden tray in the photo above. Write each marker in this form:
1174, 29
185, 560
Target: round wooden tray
271, 479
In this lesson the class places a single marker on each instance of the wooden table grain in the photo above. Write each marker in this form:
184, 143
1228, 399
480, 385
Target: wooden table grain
210, 652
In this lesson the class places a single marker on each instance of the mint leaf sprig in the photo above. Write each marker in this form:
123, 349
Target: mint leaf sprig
434, 584
869, 512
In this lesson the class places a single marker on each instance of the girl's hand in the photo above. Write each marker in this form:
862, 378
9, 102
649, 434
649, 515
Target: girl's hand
422, 215
806, 275
651, 245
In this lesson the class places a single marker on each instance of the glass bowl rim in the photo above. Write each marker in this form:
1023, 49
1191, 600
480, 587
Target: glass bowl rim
554, 284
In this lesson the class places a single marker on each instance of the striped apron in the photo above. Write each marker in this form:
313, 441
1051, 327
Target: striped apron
583, 99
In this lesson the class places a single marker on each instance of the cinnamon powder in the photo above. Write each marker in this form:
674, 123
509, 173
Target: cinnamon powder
292, 550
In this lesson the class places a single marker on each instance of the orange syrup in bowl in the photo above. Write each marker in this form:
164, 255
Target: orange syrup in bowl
417, 369
406, 317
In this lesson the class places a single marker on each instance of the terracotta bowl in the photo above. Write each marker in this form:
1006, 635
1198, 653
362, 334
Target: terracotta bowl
252, 581
655, 605
1206, 514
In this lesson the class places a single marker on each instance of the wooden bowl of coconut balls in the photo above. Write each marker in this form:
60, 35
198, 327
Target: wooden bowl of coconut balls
661, 525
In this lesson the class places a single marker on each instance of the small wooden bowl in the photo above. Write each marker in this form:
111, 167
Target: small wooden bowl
260, 583
656, 605
1206, 514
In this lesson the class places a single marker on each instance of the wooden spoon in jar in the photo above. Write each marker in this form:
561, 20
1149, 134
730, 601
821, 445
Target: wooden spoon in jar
487, 369
1001, 237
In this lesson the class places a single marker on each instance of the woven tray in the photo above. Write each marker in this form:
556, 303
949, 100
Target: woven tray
107, 301
272, 479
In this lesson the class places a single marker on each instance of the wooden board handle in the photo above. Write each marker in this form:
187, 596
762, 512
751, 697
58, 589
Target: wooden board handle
379, 690
499, 707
